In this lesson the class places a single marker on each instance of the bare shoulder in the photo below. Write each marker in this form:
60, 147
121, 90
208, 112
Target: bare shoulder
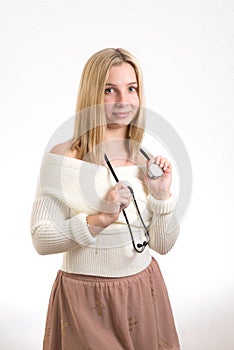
62, 149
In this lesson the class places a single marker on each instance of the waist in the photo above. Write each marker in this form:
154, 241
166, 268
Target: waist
118, 236
106, 262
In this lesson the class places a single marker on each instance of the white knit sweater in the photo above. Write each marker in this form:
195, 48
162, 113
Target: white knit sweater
70, 189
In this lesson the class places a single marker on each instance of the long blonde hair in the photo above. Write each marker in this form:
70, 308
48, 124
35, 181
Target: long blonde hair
90, 123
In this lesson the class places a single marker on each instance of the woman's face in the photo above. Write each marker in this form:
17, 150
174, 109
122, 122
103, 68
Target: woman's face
121, 95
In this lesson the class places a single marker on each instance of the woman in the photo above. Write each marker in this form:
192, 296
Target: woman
109, 293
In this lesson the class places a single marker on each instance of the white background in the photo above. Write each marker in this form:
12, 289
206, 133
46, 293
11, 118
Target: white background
185, 48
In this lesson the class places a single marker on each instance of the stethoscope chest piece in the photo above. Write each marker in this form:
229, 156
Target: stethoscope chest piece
154, 171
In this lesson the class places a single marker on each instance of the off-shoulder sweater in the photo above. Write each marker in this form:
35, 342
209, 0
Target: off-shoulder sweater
68, 190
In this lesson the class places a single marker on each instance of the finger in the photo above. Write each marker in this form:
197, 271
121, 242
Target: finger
157, 159
124, 191
120, 185
124, 201
167, 166
162, 162
122, 198
113, 196
124, 204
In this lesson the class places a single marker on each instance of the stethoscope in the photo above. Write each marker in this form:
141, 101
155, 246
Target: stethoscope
154, 172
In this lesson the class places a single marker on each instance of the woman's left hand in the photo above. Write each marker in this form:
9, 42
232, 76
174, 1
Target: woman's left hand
160, 187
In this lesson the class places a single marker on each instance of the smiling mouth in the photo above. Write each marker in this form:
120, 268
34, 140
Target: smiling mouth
121, 114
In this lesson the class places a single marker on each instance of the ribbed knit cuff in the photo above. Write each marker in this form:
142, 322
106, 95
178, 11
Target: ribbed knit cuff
161, 206
80, 230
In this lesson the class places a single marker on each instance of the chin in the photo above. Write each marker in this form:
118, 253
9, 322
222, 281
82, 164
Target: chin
121, 121
116, 125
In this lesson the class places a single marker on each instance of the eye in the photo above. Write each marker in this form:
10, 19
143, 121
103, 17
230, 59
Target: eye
109, 91
132, 88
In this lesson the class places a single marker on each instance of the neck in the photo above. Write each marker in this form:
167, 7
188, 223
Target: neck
116, 132
116, 146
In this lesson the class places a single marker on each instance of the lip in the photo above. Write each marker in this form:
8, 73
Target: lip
121, 115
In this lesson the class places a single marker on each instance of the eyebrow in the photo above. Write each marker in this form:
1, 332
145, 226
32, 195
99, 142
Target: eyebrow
132, 83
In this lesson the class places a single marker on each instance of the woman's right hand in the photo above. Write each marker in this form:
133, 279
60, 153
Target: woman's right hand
118, 198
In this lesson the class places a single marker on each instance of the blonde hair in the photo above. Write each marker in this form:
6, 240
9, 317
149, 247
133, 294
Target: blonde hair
90, 123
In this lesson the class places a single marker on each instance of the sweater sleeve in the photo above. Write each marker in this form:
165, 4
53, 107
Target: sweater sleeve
52, 228
164, 227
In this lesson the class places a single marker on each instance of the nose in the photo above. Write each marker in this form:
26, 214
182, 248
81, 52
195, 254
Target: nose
121, 99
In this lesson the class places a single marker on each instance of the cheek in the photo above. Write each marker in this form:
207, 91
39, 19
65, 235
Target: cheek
108, 104
108, 99
135, 100
108, 107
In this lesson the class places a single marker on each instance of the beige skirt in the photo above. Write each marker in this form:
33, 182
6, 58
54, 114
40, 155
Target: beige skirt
98, 313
